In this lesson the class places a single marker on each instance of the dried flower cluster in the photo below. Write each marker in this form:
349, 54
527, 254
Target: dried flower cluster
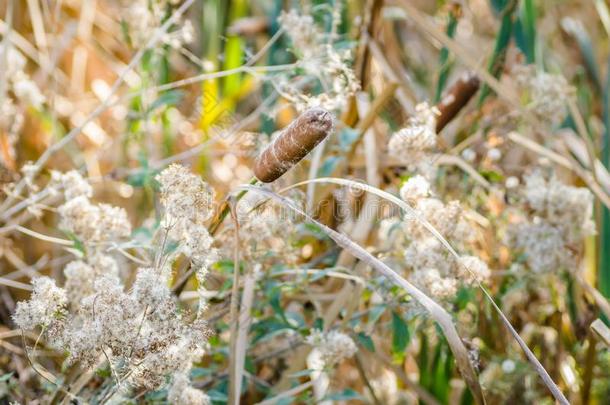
432, 267
318, 58
95, 225
143, 17
188, 204
413, 143
140, 330
544, 93
266, 231
332, 347
560, 217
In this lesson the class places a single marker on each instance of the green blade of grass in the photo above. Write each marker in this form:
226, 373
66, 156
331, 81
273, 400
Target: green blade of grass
496, 63
444, 62
234, 50
525, 30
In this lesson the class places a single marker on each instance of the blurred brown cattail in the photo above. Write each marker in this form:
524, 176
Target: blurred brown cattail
249, 26
456, 98
293, 144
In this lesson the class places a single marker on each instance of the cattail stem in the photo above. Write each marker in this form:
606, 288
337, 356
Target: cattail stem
456, 98
293, 144
225, 209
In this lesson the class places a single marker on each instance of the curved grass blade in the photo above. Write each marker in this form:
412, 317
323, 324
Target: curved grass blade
544, 375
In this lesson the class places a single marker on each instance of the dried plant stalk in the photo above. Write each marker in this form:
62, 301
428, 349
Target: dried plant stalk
293, 144
602, 331
458, 95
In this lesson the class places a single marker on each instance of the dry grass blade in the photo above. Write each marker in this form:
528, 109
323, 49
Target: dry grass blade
4, 46
245, 320
602, 331
462, 164
600, 300
236, 370
287, 394
107, 101
407, 208
437, 312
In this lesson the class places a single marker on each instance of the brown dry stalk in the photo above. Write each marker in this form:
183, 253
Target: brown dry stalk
234, 374
456, 98
293, 144
601, 331
249, 26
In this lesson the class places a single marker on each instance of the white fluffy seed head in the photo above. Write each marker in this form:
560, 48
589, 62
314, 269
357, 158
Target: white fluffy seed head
46, 305
418, 137
184, 194
415, 188
72, 183
94, 223
333, 346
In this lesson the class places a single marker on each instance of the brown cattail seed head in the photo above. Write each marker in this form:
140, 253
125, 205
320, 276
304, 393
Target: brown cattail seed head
456, 98
249, 26
293, 144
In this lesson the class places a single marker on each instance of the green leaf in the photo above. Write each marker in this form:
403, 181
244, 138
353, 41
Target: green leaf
78, 244
168, 98
329, 165
492, 175
311, 230
400, 334
6, 376
525, 30
345, 395
267, 328
199, 372
274, 300
347, 137
217, 396
445, 64
375, 314
498, 5
496, 63
366, 341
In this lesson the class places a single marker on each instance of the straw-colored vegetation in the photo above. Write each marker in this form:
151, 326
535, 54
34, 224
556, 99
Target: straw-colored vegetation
315, 201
